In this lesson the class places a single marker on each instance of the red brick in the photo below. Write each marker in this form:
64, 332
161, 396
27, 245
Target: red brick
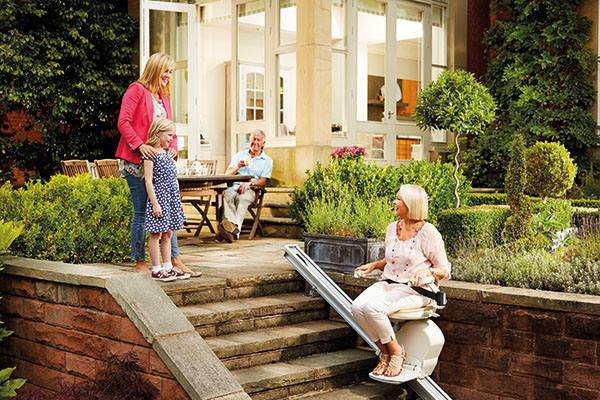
454, 352
541, 367
72, 341
68, 294
516, 341
85, 320
465, 334
544, 322
47, 291
22, 287
498, 360
142, 353
503, 384
60, 315
171, 389
49, 378
112, 306
548, 390
461, 375
5, 283
480, 314
582, 375
23, 328
12, 305
131, 334
108, 325
580, 351
31, 351
461, 393
582, 326
10, 346
156, 366
33, 309
155, 381
91, 297
81, 366
55, 358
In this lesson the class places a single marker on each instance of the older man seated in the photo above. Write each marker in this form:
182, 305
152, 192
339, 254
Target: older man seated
237, 198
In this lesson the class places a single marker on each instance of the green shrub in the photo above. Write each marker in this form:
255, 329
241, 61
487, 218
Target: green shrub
550, 170
554, 216
587, 203
479, 199
354, 216
519, 224
465, 224
71, 219
343, 178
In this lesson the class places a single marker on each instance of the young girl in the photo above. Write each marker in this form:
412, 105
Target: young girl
164, 213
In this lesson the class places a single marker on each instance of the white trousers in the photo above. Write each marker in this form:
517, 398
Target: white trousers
372, 307
235, 205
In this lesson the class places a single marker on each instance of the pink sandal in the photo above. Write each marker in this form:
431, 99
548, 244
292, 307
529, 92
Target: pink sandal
395, 364
381, 366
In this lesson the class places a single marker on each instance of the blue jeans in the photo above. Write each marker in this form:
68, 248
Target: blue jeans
139, 198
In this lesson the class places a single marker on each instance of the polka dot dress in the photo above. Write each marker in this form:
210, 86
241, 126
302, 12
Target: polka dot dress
164, 178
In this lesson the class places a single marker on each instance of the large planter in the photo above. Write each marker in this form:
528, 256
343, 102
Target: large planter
341, 253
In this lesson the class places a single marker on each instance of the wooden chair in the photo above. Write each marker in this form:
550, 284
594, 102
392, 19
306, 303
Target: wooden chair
255, 209
107, 168
200, 199
75, 167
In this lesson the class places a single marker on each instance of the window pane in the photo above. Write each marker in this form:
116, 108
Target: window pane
373, 143
250, 98
287, 22
409, 41
370, 60
338, 93
439, 54
169, 34
286, 101
251, 57
338, 24
408, 149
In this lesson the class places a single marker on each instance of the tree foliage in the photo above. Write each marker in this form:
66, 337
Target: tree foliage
542, 76
67, 65
550, 170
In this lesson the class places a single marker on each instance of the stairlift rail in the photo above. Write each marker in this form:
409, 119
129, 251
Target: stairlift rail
426, 388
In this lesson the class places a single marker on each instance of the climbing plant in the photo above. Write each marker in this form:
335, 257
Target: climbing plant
541, 75
66, 65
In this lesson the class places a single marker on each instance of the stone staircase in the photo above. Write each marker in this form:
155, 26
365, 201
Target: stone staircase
278, 342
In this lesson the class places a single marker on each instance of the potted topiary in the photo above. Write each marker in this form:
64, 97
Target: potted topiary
455, 102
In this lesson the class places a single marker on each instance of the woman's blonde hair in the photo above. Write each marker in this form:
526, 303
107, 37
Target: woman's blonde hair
156, 65
158, 125
415, 198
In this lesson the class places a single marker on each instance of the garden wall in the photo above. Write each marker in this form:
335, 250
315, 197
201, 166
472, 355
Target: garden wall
68, 319
510, 343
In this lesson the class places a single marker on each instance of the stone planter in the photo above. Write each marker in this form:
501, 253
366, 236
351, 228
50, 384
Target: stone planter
340, 253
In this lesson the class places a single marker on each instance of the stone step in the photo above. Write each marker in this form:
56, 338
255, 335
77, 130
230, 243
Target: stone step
247, 314
283, 194
282, 343
367, 390
283, 380
209, 289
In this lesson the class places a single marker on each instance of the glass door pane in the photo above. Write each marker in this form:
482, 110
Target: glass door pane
371, 60
169, 34
409, 43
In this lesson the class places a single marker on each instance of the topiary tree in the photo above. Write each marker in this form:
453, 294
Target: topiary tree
519, 224
66, 65
541, 73
456, 102
550, 170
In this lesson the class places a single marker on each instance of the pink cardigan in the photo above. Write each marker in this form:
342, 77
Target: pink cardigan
135, 117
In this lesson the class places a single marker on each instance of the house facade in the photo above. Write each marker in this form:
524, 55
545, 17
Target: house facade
312, 74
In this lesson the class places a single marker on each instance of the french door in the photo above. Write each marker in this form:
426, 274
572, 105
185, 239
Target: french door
393, 64
171, 28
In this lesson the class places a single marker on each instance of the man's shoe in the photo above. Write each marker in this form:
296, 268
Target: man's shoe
224, 234
230, 227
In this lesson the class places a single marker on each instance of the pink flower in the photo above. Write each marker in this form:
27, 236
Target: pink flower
351, 152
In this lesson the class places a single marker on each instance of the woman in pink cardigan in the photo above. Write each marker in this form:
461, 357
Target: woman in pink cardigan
143, 102
414, 250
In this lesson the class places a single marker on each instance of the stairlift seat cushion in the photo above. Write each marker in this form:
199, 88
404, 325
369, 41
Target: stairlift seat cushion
413, 313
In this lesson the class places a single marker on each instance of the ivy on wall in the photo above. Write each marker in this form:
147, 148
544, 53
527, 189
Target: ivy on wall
542, 76
67, 65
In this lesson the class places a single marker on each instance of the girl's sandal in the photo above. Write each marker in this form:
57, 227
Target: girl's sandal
395, 365
381, 367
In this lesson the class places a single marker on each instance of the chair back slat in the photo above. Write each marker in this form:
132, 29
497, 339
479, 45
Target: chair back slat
107, 168
75, 167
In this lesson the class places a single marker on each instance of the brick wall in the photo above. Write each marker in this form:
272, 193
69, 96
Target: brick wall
497, 351
66, 332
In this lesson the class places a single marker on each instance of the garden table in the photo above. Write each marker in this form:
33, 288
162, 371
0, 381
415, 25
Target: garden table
197, 190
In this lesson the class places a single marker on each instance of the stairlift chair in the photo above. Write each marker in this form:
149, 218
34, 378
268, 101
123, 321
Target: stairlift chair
421, 338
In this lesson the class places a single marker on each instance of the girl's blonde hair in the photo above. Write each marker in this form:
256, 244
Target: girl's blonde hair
158, 125
415, 198
156, 65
